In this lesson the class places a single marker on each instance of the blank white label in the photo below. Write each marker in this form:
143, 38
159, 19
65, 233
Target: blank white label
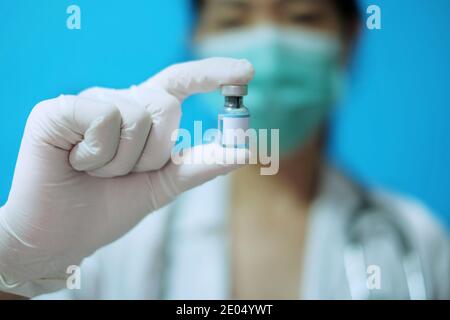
229, 126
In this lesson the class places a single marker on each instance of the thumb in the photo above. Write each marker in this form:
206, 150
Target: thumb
196, 166
152, 190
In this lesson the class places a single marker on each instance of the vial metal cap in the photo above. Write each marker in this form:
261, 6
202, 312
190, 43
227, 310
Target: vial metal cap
234, 90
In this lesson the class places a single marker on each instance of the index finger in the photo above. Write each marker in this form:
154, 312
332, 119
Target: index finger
184, 79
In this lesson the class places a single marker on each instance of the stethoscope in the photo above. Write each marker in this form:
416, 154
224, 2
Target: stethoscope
369, 223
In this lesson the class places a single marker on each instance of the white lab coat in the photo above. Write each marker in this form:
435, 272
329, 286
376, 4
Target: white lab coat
181, 251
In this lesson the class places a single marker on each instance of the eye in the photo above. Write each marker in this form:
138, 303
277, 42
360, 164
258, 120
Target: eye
305, 18
230, 22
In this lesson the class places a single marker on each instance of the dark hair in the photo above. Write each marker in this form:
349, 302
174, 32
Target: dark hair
348, 11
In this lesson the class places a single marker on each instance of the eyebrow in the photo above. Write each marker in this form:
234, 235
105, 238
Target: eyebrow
304, 1
234, 3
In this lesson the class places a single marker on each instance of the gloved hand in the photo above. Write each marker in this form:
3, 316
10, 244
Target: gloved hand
92, 166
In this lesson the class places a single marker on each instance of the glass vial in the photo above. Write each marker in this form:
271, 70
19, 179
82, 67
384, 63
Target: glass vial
234, 116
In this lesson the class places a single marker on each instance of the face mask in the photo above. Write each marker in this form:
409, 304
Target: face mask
297, 77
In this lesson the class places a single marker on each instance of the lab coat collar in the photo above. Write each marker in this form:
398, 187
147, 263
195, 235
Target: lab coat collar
337, 200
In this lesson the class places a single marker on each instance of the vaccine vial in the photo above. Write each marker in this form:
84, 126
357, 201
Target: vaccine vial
234, 118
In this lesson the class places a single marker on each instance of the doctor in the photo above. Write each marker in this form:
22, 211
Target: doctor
92, 166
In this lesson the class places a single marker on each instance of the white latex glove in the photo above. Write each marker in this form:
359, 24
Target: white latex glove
92, 166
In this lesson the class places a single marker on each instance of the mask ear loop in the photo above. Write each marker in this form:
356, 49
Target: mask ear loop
338, 83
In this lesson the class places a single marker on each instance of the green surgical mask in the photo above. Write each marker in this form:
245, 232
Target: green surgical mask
297, 77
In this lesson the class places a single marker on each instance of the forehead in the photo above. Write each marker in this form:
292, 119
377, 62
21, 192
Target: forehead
223, 14
258, 3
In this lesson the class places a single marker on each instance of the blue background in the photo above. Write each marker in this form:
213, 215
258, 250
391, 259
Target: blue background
393, 131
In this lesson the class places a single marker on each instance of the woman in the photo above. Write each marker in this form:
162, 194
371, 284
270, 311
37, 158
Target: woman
307, 232
290, 231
